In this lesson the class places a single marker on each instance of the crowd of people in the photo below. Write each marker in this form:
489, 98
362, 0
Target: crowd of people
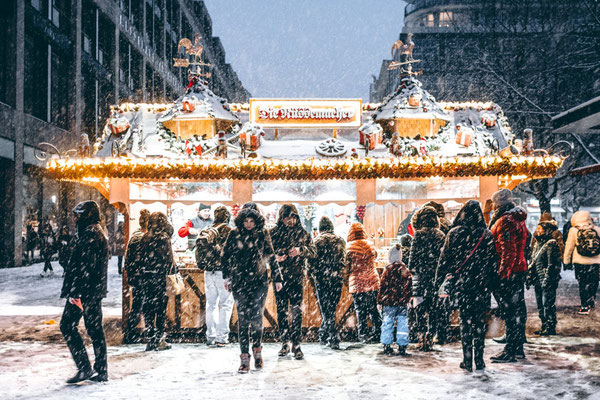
442, 267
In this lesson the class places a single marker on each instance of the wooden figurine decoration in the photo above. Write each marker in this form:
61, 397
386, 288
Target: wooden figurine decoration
221, 145
396, 145
528, 142
84, 145
405, 48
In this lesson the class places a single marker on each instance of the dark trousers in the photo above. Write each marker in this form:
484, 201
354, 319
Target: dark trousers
92, 316
328, 295
365, 305
587, 276
424, 318
511, 294
120, 264
472, 331
155, 307
135, 313
546, 304
289, 307
250, 305
442, 314
47, 263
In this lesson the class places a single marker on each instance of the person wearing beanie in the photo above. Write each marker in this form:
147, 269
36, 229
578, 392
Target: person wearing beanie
405, 243
395, 293
544, 271
84, 287
363, 282
510, 235
465, 273
582, 250
293, 247
326, 272
133, 270
219, 301
193, 226
424, 254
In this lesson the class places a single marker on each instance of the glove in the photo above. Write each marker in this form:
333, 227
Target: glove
568, 267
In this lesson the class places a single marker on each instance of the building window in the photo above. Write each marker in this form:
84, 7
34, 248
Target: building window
428, 20
445, 19
87, 44
100, 57
37, 4
55, 17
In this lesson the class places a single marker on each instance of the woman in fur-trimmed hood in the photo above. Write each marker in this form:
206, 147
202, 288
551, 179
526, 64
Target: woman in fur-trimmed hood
422, 263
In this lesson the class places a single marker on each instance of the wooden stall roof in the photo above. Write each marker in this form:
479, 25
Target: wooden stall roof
165, 169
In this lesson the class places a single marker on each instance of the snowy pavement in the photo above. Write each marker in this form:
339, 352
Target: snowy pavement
34, 362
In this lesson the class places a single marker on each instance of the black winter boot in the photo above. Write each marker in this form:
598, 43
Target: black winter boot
285, 349
387, 350
81, 376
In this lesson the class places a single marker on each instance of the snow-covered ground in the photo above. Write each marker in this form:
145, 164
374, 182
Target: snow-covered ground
34, 362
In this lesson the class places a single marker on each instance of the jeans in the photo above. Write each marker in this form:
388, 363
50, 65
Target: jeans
472, 331
289, 306
511, 294
250, 308
155, 307
328, 295
217, 329
92, 316
587, 276
365, 304
399, 315
546, 304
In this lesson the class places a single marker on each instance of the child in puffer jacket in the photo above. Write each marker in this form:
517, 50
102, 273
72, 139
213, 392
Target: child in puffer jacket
394, 295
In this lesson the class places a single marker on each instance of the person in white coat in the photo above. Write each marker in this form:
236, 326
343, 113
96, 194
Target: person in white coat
582, 250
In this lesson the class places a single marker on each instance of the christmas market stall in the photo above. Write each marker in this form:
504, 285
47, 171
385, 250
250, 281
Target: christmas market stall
373, 163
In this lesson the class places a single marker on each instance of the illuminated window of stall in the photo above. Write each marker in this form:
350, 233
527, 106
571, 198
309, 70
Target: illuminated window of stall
431, 188
428, 20
182, 191
445, 19
279, 191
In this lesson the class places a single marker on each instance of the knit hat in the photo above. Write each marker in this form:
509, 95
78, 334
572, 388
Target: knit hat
546, 217
325, 224
406, 240
395, 254
502, 197
203, 207
221, 215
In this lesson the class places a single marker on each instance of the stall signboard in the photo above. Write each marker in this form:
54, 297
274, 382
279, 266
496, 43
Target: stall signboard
302, 113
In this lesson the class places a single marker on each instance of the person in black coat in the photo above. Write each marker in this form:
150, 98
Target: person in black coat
244, 260
544, 273
422, 263
84, 287
293, 246
157, 262
65, 246
47, 248
133, 269
326, 272
468, 265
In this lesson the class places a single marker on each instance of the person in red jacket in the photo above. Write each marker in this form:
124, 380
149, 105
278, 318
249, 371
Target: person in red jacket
510, 234
193, 226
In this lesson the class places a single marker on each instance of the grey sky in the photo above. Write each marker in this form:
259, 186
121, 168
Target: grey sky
306, 48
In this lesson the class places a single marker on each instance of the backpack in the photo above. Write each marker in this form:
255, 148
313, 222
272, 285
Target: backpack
588, 242
208, 250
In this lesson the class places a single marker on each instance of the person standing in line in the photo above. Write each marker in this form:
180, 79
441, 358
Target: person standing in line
544, 271
510, 235
582, 250
293, 246
84, 287
467, 268
394, 296
133, 268
246, 254
326, 272
157, 262
65, 245
31, 242
424, 256
362, 279
119, 246
47, 247
217, 297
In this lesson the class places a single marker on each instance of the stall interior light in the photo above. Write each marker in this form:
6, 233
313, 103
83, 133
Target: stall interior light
94, 169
